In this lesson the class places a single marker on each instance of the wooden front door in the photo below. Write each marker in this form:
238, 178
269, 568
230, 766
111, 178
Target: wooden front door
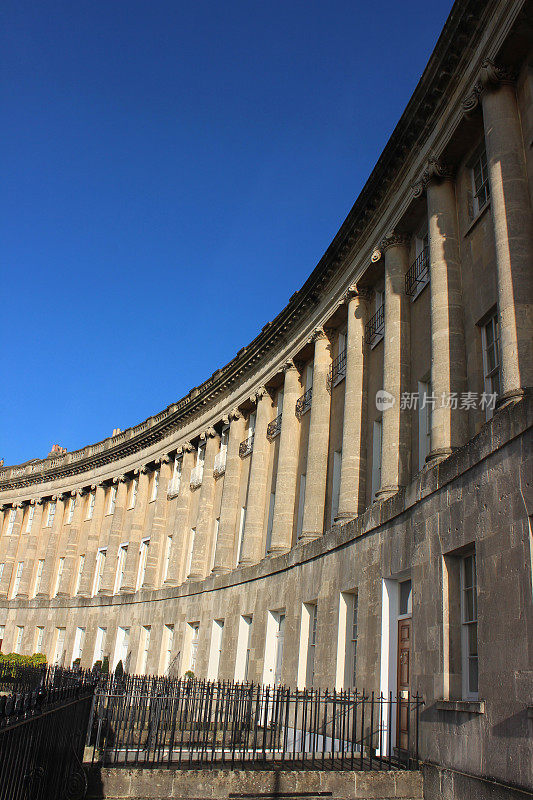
404, 659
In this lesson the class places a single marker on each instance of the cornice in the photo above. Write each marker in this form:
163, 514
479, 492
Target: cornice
460, 36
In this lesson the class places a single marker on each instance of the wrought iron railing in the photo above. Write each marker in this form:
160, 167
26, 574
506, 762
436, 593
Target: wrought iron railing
418, 274
375, 326
246, 447
219, 466
42, 737
337, 370
199, 723
197, 474
274, 427
303, 403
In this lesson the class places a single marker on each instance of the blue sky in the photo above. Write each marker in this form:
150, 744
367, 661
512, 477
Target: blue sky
172, 172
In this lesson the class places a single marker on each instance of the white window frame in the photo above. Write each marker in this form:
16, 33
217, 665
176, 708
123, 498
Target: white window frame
11, 521
59, 573
143, 558
469, 621
99, 646
79, 641
18, 640
215, 649
112, 502
91, 500
144, 648
101, 556
81, 564
347, 640
336, 484
480, 190
38, 577
491, 376
175, 481
51, 513
190, 550
155, 486
244, 638
167, 645
2, 568
133, 493
71, 507
166, 559
121, 646
122, 554
18, 578
29, 521
59, 645
242, 524
39, 638
194, 637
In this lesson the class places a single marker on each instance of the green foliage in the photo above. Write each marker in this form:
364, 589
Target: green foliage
189, 674
97, 666
105, 665
119, 670
76, 663
16, 660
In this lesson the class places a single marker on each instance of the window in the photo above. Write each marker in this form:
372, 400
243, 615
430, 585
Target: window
29, 521
38, 576
168, 642
143, 557
406, 594
79, 641
242, 524
71, 507
99, 647
469, 651
11, 521
480, 183
376, 458
215, 541
112, 500
81, 563
194, 633
121, 565
375, 327
166, 562
91, 499
311, 646
51, 513
59, 573
200, 456
424, 422
346, 672
242, 662
418, 274
353, 639
175, 481
133, 492
2, 632
224, 439
59, 649
192, 537
270, 522
2, 566
39, 639
215, 650
251, 423
18, 577
301, 504
146, 633
155, 485
18, 639
490, 338
100, 564
336, 489
121, 647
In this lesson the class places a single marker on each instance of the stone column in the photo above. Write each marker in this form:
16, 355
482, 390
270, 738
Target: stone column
396, 438
93, 542
286, 479
318, 445
256, 507
448, 355
10, 546
66, 582
181, 518
31, 550
115, 537
51, 555
158, 523
137, 532
513, 228
225, 546
352, 482
204, 520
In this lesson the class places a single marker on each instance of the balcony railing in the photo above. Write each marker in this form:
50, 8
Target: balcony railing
274, 427
197, 473
375, 327
303, 403
219, 467
337, 370
418, 275
246, 447
174, 486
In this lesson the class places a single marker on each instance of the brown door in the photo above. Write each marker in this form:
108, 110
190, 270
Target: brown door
404, 658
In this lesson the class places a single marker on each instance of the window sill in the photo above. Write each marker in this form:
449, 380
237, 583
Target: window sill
472, 224
463, 706
376, 340
419, 291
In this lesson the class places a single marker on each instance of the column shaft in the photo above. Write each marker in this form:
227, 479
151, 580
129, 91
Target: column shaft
93, 542
396, 428
318, 445
513, 233
225, 545
448, 359
137, 532
10, 551
158, 525
66, 583
204, 520
115, 537
31, 550
352, 481
286, 479
51, 553
255, 511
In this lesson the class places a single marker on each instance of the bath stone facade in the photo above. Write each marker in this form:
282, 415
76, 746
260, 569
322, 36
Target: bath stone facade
347, 502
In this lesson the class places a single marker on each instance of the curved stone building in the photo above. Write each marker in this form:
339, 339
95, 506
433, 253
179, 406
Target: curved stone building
348, 501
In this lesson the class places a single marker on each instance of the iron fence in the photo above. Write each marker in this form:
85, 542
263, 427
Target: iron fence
16, 678
337, 369
42, 736
375, 327
418, 274
199, 724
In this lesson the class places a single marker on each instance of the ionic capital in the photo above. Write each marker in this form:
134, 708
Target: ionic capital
208, 434
319, 333
145, 469
435, 171
360, 293
394, 239
186, 447
289, 365
491, 77
163, 459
